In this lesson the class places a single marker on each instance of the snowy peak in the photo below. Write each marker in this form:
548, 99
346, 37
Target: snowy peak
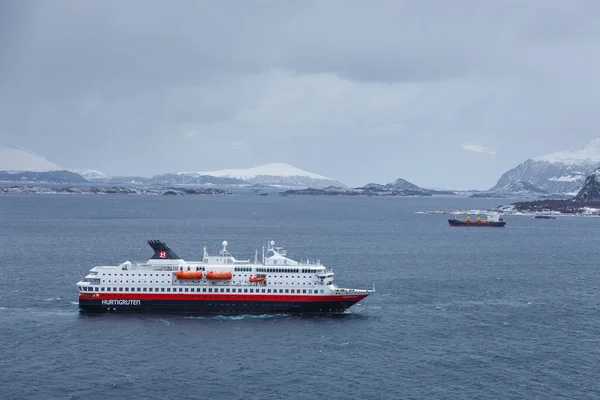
587, 153
90, 174
19, 159
273, 169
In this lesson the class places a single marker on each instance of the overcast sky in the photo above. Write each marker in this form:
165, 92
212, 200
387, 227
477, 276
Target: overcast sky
442, 93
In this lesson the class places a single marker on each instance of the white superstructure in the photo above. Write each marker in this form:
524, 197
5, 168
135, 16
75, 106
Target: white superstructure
166, 273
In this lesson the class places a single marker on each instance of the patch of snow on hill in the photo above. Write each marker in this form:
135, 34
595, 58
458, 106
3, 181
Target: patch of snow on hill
19, 159
568, 178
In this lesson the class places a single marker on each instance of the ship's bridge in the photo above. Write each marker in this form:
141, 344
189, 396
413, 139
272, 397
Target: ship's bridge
224, 257
277, 256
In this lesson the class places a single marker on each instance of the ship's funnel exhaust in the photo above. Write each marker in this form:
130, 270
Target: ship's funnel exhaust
162, 251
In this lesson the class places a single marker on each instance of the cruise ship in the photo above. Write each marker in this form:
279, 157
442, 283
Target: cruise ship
217, 285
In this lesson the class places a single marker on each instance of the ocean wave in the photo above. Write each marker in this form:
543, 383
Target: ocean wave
239, 317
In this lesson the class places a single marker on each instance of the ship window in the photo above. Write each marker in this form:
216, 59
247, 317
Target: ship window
292, 290
280, 290
239, 290
210, 290
263, 290
127, 289
287, 291
139, 289
309, 290
168, 289
204, 289
228, 290
149, 289
245, 290
251, 290
268, 290
186, 289
321, 291
180, 289
192, 289
162, 289
303, 290
114, 289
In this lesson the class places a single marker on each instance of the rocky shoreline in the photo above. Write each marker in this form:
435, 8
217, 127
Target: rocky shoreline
510, 210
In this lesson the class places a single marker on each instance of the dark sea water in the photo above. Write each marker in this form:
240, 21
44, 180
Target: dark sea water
459, 313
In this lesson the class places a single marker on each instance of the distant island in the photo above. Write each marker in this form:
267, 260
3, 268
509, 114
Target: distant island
400, 187
166, 191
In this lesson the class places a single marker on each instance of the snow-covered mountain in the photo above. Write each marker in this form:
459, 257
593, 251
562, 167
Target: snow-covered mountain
90, 174
275, 174
560, 172
23, 166
19, 159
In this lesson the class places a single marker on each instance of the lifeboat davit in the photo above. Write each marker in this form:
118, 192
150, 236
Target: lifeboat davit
189, 275
218, 275
253, 279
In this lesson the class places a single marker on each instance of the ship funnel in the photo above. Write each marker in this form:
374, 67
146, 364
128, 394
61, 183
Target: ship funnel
162, 251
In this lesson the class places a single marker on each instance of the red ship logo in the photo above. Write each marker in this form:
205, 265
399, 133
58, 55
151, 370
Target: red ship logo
162, 254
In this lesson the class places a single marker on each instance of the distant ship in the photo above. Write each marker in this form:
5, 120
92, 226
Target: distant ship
544, 217
493, 220
219, 284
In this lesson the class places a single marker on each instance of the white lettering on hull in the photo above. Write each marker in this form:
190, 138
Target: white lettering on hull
121, 302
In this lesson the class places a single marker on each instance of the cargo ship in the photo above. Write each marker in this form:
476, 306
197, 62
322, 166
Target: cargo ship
492, 220
216, 285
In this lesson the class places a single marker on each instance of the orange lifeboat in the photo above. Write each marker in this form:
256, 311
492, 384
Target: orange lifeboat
218, 275
189, 275
253, 279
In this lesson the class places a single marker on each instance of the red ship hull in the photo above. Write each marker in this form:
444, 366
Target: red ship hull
217, 304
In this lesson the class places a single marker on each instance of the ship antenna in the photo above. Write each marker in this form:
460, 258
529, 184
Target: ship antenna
256, 256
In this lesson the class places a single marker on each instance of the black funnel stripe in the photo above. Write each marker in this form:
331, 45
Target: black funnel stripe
162, 251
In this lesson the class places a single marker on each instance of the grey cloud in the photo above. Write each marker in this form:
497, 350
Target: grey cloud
375, 85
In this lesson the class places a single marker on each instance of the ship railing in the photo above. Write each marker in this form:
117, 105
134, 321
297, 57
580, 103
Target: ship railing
347, 291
